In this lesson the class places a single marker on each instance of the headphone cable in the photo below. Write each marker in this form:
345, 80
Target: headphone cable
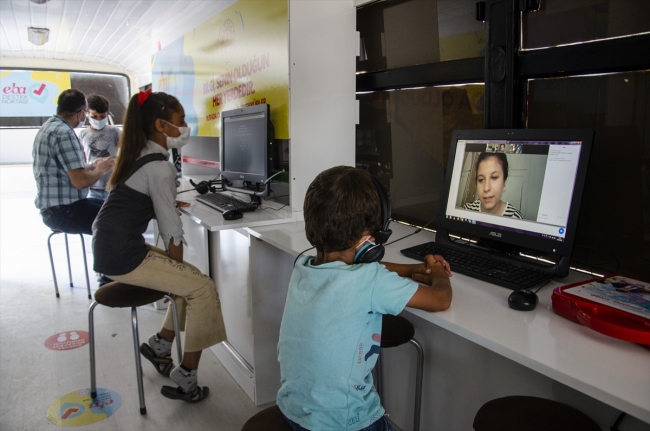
296, 260
418, 230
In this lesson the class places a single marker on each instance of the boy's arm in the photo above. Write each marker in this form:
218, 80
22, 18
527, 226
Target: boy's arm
434, 292
433, 297
407, 270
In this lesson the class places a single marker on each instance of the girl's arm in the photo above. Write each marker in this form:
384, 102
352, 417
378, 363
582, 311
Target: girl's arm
176, 251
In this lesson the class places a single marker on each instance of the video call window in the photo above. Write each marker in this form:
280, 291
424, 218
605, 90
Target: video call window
522, 186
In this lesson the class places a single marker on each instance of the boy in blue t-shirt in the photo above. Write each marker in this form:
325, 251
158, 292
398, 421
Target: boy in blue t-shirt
331, 328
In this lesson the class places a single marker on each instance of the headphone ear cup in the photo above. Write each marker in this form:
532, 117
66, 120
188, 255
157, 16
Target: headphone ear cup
203, 187
370, 253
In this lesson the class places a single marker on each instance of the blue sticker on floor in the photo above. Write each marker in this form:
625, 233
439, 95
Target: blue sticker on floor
77, 408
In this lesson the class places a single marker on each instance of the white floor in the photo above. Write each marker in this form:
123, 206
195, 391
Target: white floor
33, 377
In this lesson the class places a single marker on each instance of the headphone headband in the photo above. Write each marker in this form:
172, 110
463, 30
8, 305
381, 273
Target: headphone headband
374, 253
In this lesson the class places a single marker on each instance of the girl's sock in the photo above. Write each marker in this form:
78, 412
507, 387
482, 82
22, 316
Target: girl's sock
162, 347
184, 377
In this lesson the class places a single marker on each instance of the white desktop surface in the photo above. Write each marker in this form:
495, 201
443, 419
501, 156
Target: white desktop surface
612, 371
270, 213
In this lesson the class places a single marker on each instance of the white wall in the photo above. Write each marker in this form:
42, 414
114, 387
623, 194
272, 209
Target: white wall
322, 81
16, 146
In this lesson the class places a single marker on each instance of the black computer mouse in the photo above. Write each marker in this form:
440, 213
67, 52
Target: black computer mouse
232, 215
522, 300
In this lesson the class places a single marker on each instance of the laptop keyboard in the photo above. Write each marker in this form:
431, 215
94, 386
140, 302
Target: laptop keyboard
484, 268
223, 203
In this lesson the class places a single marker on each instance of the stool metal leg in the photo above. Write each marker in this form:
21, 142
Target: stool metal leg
83, 249
91, 333
418, 384
49, 248
67, 253
419, 374
138, 364
179, 347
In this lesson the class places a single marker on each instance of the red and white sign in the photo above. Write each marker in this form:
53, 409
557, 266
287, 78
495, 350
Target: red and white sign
67, 340
202, 162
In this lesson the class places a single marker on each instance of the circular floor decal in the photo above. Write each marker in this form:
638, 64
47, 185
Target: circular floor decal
51, 293
77, 408
67, 340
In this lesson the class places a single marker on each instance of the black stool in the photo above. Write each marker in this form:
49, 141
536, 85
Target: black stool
395, 331
269, 419
67, 252
523, 413
119, 295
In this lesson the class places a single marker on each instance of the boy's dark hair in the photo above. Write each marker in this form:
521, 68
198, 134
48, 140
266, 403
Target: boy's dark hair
98, 103
340, 204
503, 160
70, 102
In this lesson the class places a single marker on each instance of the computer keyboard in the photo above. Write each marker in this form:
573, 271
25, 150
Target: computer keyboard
223, 203
482, 267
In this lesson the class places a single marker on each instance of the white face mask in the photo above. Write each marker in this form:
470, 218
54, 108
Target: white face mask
179, 141
98, 124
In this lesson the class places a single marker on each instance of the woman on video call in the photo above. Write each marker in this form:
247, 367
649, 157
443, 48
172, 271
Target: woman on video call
491, 176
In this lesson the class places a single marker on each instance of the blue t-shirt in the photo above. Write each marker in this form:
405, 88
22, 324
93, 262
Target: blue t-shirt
329, 342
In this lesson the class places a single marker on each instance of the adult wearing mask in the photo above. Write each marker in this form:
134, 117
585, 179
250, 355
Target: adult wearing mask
99, 140
61, 172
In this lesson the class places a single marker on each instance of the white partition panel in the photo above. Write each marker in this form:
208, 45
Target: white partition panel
322, 67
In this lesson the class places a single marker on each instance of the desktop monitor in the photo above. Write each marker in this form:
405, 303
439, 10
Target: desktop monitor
535, 209
246, 150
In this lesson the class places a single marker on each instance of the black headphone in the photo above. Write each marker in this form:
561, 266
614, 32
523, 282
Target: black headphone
205, 186
375, 252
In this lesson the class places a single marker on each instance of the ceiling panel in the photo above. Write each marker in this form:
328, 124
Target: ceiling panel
115, 32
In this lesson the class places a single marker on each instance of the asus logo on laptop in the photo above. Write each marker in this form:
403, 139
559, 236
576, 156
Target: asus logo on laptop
498, 235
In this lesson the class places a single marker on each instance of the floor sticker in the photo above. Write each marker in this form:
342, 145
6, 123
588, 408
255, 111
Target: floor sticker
49, 292
77, 408
67, 340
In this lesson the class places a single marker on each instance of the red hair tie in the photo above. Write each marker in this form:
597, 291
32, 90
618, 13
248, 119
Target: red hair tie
143, 95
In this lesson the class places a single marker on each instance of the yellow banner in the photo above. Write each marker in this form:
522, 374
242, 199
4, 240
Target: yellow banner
240, 57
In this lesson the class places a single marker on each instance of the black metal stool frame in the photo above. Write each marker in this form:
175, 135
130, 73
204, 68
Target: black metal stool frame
418, 380
136, 346
67, 252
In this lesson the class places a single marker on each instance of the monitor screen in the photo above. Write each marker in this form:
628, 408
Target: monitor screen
246, 137
522, 187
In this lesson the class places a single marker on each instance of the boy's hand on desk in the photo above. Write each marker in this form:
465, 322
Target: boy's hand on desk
432, 260
430, 269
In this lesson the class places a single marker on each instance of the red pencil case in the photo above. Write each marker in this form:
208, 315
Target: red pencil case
600, 317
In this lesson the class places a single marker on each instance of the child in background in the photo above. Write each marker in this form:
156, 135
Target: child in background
99, 140
331, 327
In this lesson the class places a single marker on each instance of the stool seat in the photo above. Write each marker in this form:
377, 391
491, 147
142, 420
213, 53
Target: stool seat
395, 331
524, 413
269, 419
120, 295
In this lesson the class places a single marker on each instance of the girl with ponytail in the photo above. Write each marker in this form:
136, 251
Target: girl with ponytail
143, 186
